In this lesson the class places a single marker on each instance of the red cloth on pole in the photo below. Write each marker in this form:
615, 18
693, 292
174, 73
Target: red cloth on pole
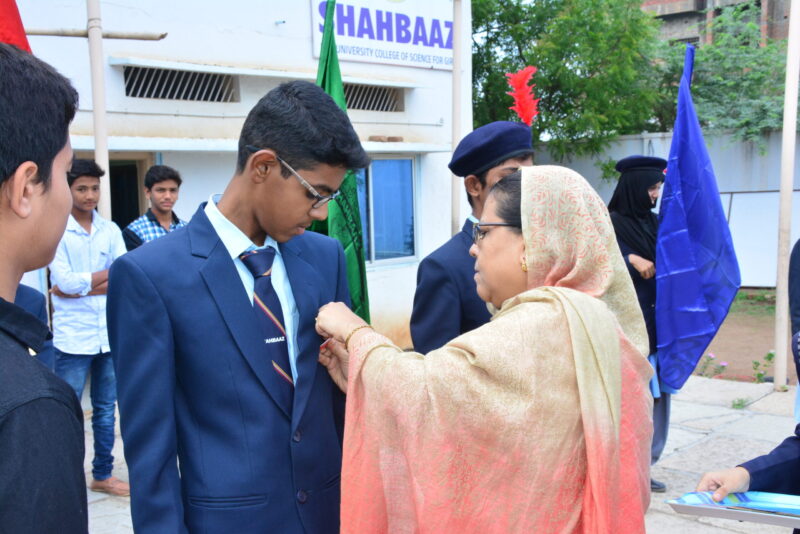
11, 29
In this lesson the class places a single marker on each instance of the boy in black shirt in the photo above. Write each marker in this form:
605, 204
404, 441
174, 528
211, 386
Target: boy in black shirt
42, 485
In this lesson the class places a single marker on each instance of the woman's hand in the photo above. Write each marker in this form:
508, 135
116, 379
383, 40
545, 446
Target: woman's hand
646, 268
336, 359
336, 320
722, 483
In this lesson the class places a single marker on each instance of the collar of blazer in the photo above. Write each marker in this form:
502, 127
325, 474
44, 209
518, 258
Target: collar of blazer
203, 238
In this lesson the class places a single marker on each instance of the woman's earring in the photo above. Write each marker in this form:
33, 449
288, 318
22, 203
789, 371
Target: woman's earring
524, 265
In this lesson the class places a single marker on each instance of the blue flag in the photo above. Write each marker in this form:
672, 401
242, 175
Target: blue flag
697, 275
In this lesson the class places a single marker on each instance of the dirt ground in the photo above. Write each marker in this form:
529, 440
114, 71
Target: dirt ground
747, 335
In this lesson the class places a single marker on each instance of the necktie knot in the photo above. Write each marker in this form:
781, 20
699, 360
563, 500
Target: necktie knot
259, 262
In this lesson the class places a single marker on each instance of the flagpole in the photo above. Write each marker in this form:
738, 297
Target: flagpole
782, 331
95, 32
456, 184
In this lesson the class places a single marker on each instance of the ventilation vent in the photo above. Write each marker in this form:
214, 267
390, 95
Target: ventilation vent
372, 98
145, 82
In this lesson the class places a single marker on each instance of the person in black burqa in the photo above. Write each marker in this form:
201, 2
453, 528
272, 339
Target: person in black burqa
636, 227
42, 485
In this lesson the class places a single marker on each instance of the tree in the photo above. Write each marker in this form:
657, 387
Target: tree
593, 57
738, 80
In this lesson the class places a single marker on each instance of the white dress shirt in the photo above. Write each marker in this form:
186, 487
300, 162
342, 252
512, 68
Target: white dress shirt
79, 324
236, 243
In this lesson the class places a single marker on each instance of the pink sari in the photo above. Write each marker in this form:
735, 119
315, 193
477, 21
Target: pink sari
536, 422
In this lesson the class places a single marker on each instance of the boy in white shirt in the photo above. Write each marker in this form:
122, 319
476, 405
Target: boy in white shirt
79, 275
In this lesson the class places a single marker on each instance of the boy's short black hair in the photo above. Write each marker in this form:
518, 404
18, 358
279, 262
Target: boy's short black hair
36, 106
507, 194
481, 176
84, 167
304, 126
161, 173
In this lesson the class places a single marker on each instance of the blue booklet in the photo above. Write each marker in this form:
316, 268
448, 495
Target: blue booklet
755, 506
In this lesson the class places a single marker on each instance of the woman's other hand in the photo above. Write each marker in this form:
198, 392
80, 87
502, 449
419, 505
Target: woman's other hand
336, 320
335, 358
722, 483
646, 268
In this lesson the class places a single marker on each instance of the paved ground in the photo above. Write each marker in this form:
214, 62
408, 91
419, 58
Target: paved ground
706, 433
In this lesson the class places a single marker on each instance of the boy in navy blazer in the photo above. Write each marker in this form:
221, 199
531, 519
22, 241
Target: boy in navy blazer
446, 302
214, 441
778, 471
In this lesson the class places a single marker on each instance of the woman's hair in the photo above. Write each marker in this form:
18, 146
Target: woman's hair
507, 194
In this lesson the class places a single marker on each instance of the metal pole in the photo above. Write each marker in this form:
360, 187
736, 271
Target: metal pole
782, 332
137, 36
457, 184
99, 103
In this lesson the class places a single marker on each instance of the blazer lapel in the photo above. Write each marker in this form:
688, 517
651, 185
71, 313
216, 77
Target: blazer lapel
303, 279
225, 286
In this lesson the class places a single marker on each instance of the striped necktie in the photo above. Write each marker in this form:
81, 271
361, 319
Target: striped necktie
268, 312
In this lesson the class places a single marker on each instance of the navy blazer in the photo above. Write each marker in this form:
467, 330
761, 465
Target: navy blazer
794, 287
195, 390
33, 302
779, 470
446, 303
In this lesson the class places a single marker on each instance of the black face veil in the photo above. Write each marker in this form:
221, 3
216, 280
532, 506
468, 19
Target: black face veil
630, 207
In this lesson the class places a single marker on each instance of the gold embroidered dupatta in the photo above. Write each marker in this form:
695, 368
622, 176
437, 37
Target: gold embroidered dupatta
538, 421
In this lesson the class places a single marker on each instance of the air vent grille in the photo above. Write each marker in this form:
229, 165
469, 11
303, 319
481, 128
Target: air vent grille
146, 82
373, 98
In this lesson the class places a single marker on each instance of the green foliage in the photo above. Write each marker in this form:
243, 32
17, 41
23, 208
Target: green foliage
603, 72
760, 367
709, 367
760, 302
738, 81
608, 169
593, 57
740, 403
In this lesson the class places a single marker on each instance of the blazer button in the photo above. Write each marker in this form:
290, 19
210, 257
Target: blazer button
302, 497
297, 436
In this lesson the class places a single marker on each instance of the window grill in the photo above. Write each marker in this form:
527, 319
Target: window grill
373, 98
147, 82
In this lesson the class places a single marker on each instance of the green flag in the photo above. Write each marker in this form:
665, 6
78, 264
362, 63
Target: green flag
344, 220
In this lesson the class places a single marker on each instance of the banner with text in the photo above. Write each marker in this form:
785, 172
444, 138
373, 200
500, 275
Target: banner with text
414, 33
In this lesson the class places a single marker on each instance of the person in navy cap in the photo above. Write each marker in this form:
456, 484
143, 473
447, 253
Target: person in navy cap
446, 302
636, 227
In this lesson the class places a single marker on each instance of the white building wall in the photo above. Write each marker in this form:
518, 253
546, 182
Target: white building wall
208, 174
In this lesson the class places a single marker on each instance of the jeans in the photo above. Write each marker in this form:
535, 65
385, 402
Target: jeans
73, 369
661, 409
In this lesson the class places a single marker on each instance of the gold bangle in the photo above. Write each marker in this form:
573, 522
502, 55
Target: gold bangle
353, 331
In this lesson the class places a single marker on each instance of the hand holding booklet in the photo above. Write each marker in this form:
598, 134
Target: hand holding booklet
754, 506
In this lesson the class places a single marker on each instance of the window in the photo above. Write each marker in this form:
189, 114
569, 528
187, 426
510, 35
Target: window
386, 202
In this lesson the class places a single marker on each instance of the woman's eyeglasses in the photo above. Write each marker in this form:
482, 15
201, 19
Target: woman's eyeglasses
478, 231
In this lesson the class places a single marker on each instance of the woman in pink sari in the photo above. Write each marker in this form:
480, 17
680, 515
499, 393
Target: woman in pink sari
538, 421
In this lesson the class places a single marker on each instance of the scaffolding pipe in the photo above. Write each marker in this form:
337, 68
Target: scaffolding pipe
782, 331
106, 35
456, 183
95, 34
